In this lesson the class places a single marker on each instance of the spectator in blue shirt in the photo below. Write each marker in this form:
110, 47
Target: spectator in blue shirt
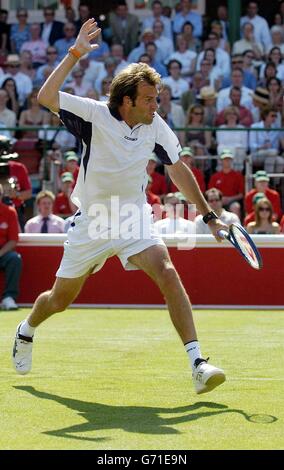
249, 79
187, 15
62, 45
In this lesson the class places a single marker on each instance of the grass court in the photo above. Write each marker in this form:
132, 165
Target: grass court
120, 379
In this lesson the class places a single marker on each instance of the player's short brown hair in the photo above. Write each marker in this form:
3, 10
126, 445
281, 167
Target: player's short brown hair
126, 83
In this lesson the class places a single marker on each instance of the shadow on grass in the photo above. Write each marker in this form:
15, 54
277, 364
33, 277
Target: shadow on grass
135, 419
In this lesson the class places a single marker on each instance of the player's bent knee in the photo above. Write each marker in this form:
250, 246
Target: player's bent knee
168, 277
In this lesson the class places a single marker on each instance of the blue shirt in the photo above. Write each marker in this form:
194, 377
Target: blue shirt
249, 80
258, 138
62, 46
19, 37
99, 52
194, 18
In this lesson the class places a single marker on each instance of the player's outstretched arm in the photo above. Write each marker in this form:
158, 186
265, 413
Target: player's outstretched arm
184, 179
48, 94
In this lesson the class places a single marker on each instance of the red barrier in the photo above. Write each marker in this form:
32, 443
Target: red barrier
212, 275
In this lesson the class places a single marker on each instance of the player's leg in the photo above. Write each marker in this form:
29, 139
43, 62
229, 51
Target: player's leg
155, 261
62, 294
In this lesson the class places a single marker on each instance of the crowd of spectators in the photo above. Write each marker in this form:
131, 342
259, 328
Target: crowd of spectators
207, 83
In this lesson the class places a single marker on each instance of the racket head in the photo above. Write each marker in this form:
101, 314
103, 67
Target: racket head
244, 244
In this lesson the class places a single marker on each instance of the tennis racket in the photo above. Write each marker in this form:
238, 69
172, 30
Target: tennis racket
241, 240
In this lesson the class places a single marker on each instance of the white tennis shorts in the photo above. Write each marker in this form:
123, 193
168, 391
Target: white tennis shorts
84, 254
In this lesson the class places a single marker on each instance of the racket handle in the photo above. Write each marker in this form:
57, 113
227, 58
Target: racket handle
223, 234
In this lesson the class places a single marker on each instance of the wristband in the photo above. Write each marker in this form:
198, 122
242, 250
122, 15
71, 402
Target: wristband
210, 216
72, 50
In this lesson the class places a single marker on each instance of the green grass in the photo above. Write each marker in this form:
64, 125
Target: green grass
120, 379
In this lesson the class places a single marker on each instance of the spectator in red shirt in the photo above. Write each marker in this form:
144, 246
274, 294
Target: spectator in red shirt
22, 190
71, 164
229, 182
159, 184
261, 181
187, 156
10, 261
63, 205
153, 200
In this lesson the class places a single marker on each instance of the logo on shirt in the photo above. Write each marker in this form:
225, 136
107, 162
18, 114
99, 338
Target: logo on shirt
4, 226
130, 138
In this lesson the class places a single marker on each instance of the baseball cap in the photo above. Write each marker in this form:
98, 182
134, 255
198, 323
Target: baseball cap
67, 176
186, 151
261, 175
257, 197
70, 155
226, 153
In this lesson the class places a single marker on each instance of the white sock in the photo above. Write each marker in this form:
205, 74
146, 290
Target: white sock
26, 329
193, 350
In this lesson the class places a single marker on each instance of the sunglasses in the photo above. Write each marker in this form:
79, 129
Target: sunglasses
51, 52
198, 114
262, 209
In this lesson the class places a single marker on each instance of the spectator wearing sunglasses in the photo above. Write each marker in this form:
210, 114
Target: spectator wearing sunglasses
214, 197
20, 31
263, 223
51, 30
51, 62
62, 45
249, 78
261, 185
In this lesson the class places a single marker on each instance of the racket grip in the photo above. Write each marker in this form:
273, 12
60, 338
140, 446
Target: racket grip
223, 234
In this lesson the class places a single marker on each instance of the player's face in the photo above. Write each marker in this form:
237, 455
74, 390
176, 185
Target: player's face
145, 104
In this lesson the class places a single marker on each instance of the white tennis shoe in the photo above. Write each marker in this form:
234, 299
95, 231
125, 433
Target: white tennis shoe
206, 377
22, 353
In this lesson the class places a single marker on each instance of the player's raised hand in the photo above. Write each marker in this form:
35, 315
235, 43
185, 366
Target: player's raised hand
87, 34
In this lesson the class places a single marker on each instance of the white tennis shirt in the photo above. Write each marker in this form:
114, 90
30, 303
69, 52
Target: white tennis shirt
114, 156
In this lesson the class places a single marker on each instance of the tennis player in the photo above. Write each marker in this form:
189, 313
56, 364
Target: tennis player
117, 138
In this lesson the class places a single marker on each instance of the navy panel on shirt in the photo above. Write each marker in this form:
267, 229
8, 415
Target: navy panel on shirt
81, 129
162, 155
